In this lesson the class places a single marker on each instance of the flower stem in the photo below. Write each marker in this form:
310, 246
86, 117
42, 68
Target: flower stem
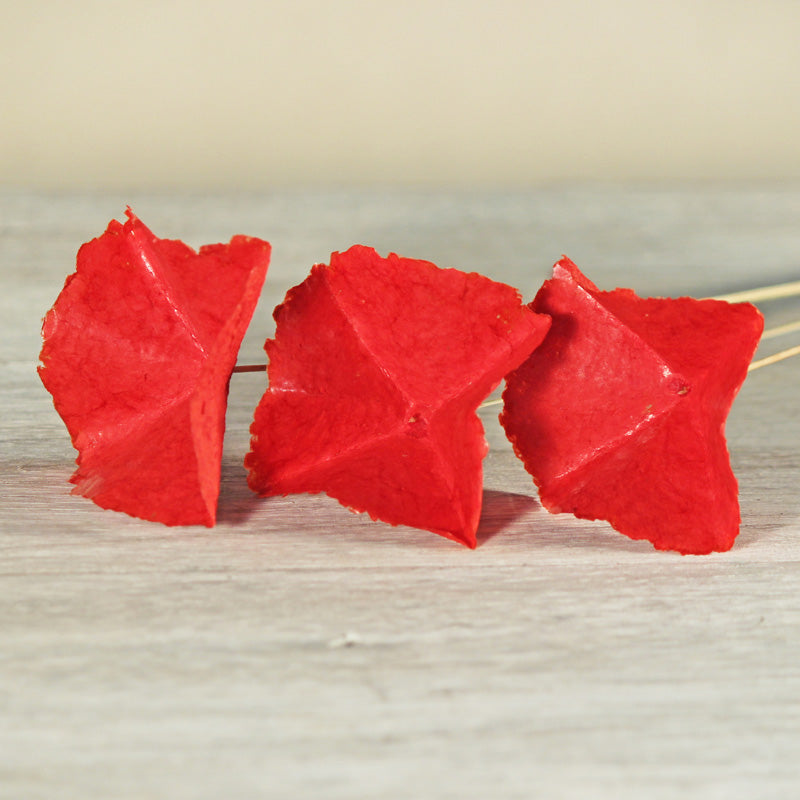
774, 292
773, 359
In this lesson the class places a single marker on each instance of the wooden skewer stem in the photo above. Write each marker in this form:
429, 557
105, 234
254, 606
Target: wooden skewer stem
762, 362
780, 330
490, 403
773, 359
762, 293
250, 368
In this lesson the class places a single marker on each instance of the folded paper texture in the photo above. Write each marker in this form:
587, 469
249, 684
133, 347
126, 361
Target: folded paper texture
138, 350
620, 414
376, 371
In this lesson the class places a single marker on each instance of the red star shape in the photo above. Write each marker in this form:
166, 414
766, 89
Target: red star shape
620, 414
138, 351
376, 370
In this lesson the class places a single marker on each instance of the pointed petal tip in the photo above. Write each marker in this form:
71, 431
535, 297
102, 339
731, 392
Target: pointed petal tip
566, 269
470, 542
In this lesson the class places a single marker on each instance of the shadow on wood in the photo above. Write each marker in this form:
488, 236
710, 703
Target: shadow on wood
501, 509
237, 502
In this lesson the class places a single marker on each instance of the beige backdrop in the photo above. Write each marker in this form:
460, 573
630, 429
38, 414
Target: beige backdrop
156, 93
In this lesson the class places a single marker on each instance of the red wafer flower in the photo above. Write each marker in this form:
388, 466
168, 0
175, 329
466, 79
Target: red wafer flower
376, 371
138, 350
620, 414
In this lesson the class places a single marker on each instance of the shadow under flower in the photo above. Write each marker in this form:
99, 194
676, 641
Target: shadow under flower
237, 502
501, 510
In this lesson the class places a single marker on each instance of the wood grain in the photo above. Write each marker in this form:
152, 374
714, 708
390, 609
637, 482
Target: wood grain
297, 650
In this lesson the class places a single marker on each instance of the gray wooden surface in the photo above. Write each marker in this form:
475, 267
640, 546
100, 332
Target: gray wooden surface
298, 650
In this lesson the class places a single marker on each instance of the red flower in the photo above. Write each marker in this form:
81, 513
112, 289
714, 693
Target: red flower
376, 371
138, 351
620, 414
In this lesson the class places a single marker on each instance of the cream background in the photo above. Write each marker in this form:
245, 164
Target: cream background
256, 95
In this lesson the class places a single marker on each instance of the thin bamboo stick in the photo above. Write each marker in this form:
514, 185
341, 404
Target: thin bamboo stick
780, 330
250, 368
774, 292
773, 359
490, 403
749, 296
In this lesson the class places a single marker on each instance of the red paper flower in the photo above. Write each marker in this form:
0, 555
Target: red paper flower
138, 351
620, 414
375, 373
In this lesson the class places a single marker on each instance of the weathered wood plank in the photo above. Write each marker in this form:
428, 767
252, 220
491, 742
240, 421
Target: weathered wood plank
298, 650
